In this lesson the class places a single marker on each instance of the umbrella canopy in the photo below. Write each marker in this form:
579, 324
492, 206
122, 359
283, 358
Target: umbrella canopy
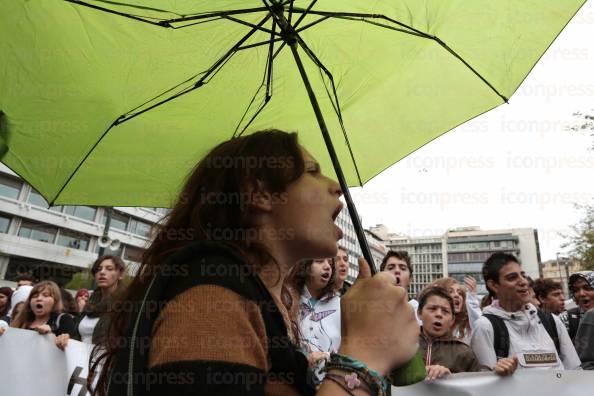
112, 103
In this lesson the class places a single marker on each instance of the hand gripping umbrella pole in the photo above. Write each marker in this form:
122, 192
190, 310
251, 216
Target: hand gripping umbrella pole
292, 39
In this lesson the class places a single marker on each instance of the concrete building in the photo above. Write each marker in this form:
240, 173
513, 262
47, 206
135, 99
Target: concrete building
55, 243
462, 251
560, 270
469, 247
426, 257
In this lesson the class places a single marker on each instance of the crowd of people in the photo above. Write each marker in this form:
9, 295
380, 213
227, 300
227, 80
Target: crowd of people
271, 320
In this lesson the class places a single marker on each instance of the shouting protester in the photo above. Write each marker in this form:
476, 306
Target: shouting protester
206, 315
512, 326
443, 353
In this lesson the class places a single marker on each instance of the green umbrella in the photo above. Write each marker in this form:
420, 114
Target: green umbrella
112, 102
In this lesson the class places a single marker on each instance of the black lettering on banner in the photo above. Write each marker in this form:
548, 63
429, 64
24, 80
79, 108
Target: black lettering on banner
75, 378
540, 358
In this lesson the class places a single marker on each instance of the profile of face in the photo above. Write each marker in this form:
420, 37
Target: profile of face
42, 302
554, 302
108, 275
3, 302
399, 269
320, 273
512, 285
342, 265
583, 294
308, 212
455, 291
437, 317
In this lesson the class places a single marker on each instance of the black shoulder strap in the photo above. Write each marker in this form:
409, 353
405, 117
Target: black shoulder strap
500, 336
547, 320
573, 318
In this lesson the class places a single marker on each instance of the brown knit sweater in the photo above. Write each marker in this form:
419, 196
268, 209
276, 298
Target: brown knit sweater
217, 335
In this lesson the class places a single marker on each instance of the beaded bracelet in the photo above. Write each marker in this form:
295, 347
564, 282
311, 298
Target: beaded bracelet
374, 380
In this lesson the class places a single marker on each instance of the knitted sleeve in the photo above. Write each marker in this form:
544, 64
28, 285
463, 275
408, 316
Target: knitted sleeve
208, 340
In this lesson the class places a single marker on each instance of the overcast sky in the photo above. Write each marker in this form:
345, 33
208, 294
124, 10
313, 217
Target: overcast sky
515, 166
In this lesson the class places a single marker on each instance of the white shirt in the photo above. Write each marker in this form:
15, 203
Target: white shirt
527, 337
86, 328
319, 324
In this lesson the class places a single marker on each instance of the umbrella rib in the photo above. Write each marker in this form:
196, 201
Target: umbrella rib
413, 31
241, 22
216, 67
335, 102
167, 22
456, 55
384, 26
322, 19
137, 18
218, 64
266, 79
258, 44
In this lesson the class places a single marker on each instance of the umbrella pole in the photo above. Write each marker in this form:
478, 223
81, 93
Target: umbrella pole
341, 179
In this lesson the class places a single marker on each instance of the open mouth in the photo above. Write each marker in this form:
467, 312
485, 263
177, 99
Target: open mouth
325, 277
437, 325
337, 211
39, 306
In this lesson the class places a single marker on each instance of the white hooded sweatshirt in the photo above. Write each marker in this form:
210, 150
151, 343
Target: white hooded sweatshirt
528, 340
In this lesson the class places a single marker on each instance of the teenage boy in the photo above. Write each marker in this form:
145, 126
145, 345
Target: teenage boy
342, 270
550, 294
512, 326
444, 354
398, 264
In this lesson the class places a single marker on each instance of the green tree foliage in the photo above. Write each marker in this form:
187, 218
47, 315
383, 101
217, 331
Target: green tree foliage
585, 123
80, 280
581, 240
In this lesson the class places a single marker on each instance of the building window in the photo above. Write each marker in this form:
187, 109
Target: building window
140, 228
118, 221
132, 253
38, 232
74, 240
9, 187
4, 224
36, 199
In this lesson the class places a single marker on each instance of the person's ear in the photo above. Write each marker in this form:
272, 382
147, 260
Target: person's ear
261, 198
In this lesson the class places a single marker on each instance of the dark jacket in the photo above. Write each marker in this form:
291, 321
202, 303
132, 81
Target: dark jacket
97, 307
584, 340
61, 324
449, 352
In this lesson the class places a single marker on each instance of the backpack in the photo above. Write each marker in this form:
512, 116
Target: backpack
501, 334
573, 319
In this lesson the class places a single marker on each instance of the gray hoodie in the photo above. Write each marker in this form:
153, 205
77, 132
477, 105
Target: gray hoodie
528, 340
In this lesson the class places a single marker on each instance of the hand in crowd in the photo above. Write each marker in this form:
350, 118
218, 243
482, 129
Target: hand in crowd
506, 366
436, 371
371, 310
43, 329
470, 283
2, 330
62, 341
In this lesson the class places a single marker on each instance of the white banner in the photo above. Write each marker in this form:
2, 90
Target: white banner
31, 365
532, 382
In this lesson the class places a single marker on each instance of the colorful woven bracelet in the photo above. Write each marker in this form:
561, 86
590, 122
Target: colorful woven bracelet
373, 379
